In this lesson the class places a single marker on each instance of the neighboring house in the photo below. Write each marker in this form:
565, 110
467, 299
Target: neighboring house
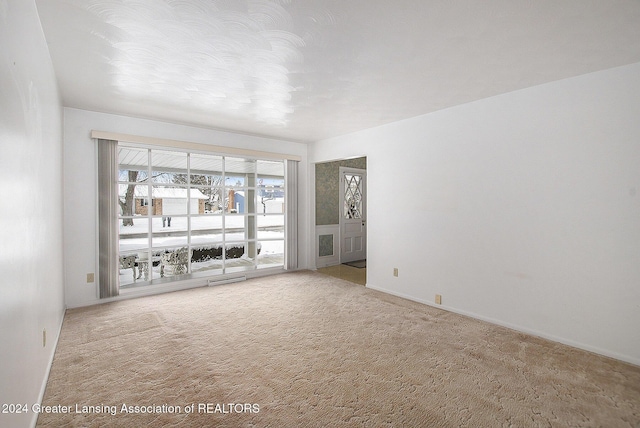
267, 204
236, 201
168, 201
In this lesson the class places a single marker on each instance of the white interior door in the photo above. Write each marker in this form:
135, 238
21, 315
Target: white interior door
353, 219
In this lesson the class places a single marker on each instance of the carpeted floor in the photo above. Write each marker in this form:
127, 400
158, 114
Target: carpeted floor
305, 349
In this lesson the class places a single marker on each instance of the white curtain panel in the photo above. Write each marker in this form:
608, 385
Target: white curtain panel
291, 198
108, 266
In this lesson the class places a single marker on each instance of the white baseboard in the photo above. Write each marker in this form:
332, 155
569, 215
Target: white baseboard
564, 341
43, 387
170, 286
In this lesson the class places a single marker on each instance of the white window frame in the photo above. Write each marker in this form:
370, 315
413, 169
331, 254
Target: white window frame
111, 287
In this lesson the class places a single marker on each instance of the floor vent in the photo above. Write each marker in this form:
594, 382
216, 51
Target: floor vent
212, 282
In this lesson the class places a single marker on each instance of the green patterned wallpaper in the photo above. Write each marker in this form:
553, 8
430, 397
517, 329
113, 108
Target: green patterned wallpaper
328, 189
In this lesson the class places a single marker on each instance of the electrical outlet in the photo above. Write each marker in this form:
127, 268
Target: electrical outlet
395, 271
90, 278
438, 299
44, 337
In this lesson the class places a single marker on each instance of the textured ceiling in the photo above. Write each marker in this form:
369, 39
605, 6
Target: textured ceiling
305, 70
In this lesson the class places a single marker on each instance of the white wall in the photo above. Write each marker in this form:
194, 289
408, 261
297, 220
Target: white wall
521, 209
31, 291
80, 185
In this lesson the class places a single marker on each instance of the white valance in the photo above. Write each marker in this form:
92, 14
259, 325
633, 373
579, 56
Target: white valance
186, 145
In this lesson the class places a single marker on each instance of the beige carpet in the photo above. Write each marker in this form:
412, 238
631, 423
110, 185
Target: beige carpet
305, 349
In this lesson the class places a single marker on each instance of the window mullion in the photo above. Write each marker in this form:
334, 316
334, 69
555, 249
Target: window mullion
224, 214
189, 213
254, 214
150, 210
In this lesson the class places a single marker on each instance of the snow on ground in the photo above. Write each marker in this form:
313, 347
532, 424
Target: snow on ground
202, 223
141, 224
271, 242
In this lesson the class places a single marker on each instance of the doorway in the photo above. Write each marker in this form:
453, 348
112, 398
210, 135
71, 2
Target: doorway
333, 192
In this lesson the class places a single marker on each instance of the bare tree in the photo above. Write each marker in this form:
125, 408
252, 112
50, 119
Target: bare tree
127, 205
135, 178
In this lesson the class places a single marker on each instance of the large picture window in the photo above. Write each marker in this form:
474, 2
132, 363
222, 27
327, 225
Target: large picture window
187, 214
